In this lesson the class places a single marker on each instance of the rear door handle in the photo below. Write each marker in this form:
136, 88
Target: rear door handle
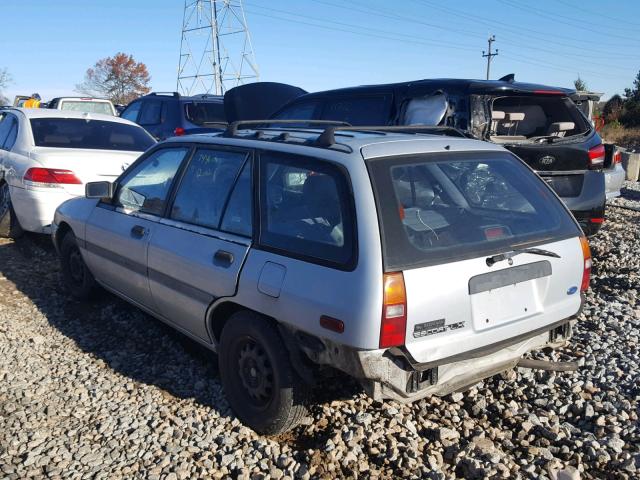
138, 231
222, 256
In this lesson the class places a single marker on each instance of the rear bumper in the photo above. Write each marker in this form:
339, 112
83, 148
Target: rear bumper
614, 180
394, 374
35, 209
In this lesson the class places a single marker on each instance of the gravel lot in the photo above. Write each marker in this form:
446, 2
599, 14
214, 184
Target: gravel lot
104, 391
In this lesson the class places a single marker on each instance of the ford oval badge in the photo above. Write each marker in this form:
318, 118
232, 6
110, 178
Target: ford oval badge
572, 290
547, 160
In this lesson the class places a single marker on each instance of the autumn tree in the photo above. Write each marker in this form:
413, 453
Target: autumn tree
5, 79
119, 78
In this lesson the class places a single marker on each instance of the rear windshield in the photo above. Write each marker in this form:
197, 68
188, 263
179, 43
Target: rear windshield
91, 134
435, 208
529, 117
202, 113
86, 106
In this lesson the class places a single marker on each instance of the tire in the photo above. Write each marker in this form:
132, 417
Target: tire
260, 383
76, 277
9, 224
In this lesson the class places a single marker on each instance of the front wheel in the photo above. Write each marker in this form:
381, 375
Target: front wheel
9, 224
260, 383
76, 277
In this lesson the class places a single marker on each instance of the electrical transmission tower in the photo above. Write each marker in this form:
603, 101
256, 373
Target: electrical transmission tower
215, 51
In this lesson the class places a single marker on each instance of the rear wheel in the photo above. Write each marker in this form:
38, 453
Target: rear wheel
76, 277
9, 224
260, 383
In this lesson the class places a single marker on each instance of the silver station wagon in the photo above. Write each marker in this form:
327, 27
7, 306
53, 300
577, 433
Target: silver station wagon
417, 263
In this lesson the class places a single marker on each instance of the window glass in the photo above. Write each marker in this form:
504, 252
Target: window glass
239, 213
5, 126
205, 187
151, 113
357, 110
202, 113
86, 106
131, 112
145, 188
11, 137
89, 134
299, 111
305, 209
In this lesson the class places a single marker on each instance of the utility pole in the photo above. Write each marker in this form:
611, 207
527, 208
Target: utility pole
490, 55
215, 49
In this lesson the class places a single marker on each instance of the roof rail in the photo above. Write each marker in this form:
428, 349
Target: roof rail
172, 94
327, 138
232, 129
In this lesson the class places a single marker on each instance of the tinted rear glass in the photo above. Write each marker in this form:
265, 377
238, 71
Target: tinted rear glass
91, 107
372, 110
435, 208
202, 113
90, 134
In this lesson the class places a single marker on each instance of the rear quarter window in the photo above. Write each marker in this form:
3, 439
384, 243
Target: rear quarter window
366, 110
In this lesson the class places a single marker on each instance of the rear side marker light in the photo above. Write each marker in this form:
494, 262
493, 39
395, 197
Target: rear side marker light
50, 177
597, 220
617, 157
179, 131
332, 324
596, 156
586, 256
394, 311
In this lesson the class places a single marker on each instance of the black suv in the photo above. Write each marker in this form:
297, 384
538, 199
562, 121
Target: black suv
540, 124
166, 115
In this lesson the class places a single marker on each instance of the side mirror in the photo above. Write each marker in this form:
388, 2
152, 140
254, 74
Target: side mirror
98, 190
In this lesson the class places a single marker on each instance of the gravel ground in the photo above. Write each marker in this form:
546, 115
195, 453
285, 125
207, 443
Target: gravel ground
104, 391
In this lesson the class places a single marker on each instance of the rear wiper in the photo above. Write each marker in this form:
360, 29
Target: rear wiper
509, 255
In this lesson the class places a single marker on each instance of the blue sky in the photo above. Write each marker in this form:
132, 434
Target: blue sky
319, 44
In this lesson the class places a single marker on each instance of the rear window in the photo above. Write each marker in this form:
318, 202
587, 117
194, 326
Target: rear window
202, 113
91, 107
89, 134
372, 110
530, 117
435, 208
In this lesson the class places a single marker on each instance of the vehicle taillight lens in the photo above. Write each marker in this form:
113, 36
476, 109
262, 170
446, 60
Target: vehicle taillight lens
586, 255
50, 177
178, 132
394, 311
617, 157
596, 156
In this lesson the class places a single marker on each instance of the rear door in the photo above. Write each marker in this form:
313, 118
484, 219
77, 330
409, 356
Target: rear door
196, 253
443, 218
117, 234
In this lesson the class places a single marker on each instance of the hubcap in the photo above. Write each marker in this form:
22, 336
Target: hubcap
256, 372
76, 266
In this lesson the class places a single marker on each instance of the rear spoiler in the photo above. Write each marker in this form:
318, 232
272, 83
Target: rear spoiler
258, 100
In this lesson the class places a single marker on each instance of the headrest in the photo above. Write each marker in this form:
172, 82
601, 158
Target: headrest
561, 127
515, 117
497, 115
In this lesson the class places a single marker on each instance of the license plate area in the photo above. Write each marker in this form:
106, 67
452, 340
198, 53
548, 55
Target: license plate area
507, 295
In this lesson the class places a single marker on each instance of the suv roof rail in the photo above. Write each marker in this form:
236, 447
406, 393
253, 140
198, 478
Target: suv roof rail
327, 138
232, 129
172, 94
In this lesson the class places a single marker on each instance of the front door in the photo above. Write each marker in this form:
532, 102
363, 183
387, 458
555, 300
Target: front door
196, 253
117, 234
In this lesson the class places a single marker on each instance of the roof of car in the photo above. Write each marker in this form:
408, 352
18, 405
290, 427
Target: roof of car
53, 113
465, 85
86, 99
202, 97
371, 144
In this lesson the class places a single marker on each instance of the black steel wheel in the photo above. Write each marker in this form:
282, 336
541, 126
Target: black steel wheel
9, 224
76, 277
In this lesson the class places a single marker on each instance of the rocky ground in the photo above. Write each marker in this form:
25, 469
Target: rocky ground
104, 391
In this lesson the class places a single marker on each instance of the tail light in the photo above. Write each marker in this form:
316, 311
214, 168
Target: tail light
50, 177
596, 156
586, 272
178, 132
394, 311
617, 157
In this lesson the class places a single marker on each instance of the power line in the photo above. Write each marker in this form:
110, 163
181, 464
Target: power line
599, 14
490, 55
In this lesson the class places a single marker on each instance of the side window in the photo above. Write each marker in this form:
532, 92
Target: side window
205, 187
5, 127
299, 111
372, 110
239, 213
151, 113
131, 112
13, 134
305, 209
145, 188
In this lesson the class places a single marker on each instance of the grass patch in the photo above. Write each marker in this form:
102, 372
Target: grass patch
628, 138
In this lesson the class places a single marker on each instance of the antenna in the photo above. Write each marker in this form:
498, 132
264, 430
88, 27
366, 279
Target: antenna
215, 49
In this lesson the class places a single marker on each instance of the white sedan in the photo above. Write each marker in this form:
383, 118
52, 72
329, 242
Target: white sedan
46, 157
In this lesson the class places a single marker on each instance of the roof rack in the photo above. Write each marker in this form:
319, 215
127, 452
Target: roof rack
327, 138
232, 129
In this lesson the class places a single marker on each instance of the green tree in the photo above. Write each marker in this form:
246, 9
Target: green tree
580, 84
630, 116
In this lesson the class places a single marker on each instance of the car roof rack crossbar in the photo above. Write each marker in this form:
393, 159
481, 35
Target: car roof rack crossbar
327, 138
232, 129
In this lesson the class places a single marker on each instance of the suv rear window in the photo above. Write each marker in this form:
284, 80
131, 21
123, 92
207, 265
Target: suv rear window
202, 113
87, 106
89, 134
436, 208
